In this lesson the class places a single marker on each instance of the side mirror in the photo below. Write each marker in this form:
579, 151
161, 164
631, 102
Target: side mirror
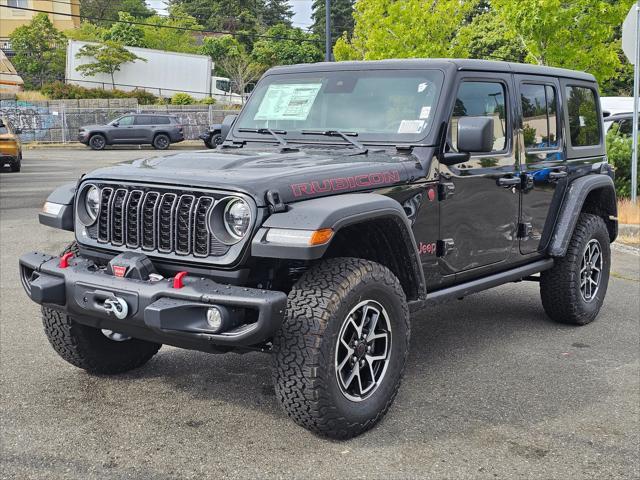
227, 123
475, 134
115, 124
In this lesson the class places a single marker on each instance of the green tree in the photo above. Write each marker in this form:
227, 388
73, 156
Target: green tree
291, 46
221, 48
342, 21
126, 33
105, 11
39, 51
241, 71
276, 12
109, 57
172, 39
86, 32
579, 34
486, 36
411, 28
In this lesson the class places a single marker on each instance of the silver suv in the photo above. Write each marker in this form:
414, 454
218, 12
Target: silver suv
160, 131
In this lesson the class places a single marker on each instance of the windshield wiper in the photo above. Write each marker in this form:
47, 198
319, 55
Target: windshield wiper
284, 145
337, 133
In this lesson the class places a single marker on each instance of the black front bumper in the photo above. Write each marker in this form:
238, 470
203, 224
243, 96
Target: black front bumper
156, 310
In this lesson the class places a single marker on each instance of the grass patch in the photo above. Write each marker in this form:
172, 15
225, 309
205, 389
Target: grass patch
628, 213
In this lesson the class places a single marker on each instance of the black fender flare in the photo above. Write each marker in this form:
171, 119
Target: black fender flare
337, 212
574, 201
64, 196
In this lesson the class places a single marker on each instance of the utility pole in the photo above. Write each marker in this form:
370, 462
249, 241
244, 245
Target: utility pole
327, 30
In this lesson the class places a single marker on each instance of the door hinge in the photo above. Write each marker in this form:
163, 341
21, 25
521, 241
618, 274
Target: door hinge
444, 246
445, 190
524, 230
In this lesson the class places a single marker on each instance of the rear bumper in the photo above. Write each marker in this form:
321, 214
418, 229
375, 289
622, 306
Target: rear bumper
155, 310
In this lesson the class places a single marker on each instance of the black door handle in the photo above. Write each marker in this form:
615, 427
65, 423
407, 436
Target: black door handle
509, 181
557, 174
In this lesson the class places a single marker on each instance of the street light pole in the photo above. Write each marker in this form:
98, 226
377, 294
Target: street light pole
327, 30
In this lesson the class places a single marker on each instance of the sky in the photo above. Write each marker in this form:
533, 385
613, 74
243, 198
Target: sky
301, 9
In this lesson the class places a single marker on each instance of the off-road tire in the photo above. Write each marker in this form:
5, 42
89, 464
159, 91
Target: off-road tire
161, 141
88, 348
17, 165
304, 371
214, 141
560, 285
97, 141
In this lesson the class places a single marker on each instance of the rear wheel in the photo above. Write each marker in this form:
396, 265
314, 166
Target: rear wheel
341, 352
161, 142
574, 289
97, 142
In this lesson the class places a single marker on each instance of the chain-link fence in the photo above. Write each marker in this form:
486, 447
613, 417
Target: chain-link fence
59, 122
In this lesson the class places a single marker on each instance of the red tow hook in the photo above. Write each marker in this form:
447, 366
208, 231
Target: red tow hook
177, 280
64, 260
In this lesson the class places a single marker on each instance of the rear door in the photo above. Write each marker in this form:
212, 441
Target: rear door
542, 159
480, 197
144, 127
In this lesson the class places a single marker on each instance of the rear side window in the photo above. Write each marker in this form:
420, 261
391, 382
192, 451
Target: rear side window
539, 116
161, 121
584, 123
481, 99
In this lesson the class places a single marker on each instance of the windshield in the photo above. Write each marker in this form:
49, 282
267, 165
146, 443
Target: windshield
224, 85
391, 106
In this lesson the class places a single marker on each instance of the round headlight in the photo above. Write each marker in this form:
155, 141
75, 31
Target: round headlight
237, 218
92, 202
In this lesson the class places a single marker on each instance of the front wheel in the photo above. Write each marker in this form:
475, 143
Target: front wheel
574, 289
341, 351
97, 142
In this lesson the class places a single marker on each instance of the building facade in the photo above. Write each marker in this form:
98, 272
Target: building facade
63, 14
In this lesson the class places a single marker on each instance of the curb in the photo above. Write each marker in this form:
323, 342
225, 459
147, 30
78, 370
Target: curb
629, 229
184, 145
621, 247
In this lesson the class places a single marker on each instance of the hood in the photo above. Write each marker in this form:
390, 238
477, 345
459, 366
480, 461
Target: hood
294, 175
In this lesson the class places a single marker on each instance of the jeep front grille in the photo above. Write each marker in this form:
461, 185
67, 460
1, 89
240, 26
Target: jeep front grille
156, 220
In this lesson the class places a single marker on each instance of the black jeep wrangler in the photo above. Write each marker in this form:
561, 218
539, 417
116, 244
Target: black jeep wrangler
345, 196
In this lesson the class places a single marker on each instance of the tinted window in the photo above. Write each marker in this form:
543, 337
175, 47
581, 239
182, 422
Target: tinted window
124, 121
539, 119
625, 128
161, 121
482, 99
584, 122
143, 120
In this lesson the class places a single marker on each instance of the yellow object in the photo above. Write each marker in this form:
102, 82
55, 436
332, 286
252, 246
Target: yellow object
10, 146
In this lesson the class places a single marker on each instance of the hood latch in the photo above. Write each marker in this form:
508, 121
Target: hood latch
275, 203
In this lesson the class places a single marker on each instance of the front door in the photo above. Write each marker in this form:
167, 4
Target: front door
124, 132
480, 197
543, 162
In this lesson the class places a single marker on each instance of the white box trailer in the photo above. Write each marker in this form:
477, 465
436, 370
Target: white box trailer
163, 73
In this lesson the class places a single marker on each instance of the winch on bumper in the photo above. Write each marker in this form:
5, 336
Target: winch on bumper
188, 312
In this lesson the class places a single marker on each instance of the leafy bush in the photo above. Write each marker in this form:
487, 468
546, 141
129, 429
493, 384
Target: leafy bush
60, 91
619, 151
208, 101
182, 99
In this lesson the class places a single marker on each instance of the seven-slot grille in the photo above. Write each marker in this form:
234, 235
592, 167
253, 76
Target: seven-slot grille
157, 220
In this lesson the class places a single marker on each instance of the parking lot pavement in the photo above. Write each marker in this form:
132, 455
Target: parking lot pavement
493, 389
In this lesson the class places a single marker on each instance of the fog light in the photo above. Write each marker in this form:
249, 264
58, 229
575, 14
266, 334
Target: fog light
214, 318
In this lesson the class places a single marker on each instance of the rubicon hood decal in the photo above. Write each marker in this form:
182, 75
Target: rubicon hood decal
295, 176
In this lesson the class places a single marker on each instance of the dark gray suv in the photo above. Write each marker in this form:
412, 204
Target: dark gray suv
160, 131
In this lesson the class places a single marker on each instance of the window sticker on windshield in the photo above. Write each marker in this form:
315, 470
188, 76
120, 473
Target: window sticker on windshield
422, 87
424, 112
288, 101
411, 126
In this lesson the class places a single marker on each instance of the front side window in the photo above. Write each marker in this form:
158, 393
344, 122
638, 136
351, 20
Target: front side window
481, 99
223, 85
380, 105
125, 121
539, 118
584, 122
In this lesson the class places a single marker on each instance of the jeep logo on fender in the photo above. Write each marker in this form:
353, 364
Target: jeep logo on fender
345, 183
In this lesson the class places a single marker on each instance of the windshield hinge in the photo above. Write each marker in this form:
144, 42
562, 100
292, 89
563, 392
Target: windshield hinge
275, 203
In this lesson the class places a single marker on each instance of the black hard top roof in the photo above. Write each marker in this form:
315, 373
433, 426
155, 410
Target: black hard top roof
444, 63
